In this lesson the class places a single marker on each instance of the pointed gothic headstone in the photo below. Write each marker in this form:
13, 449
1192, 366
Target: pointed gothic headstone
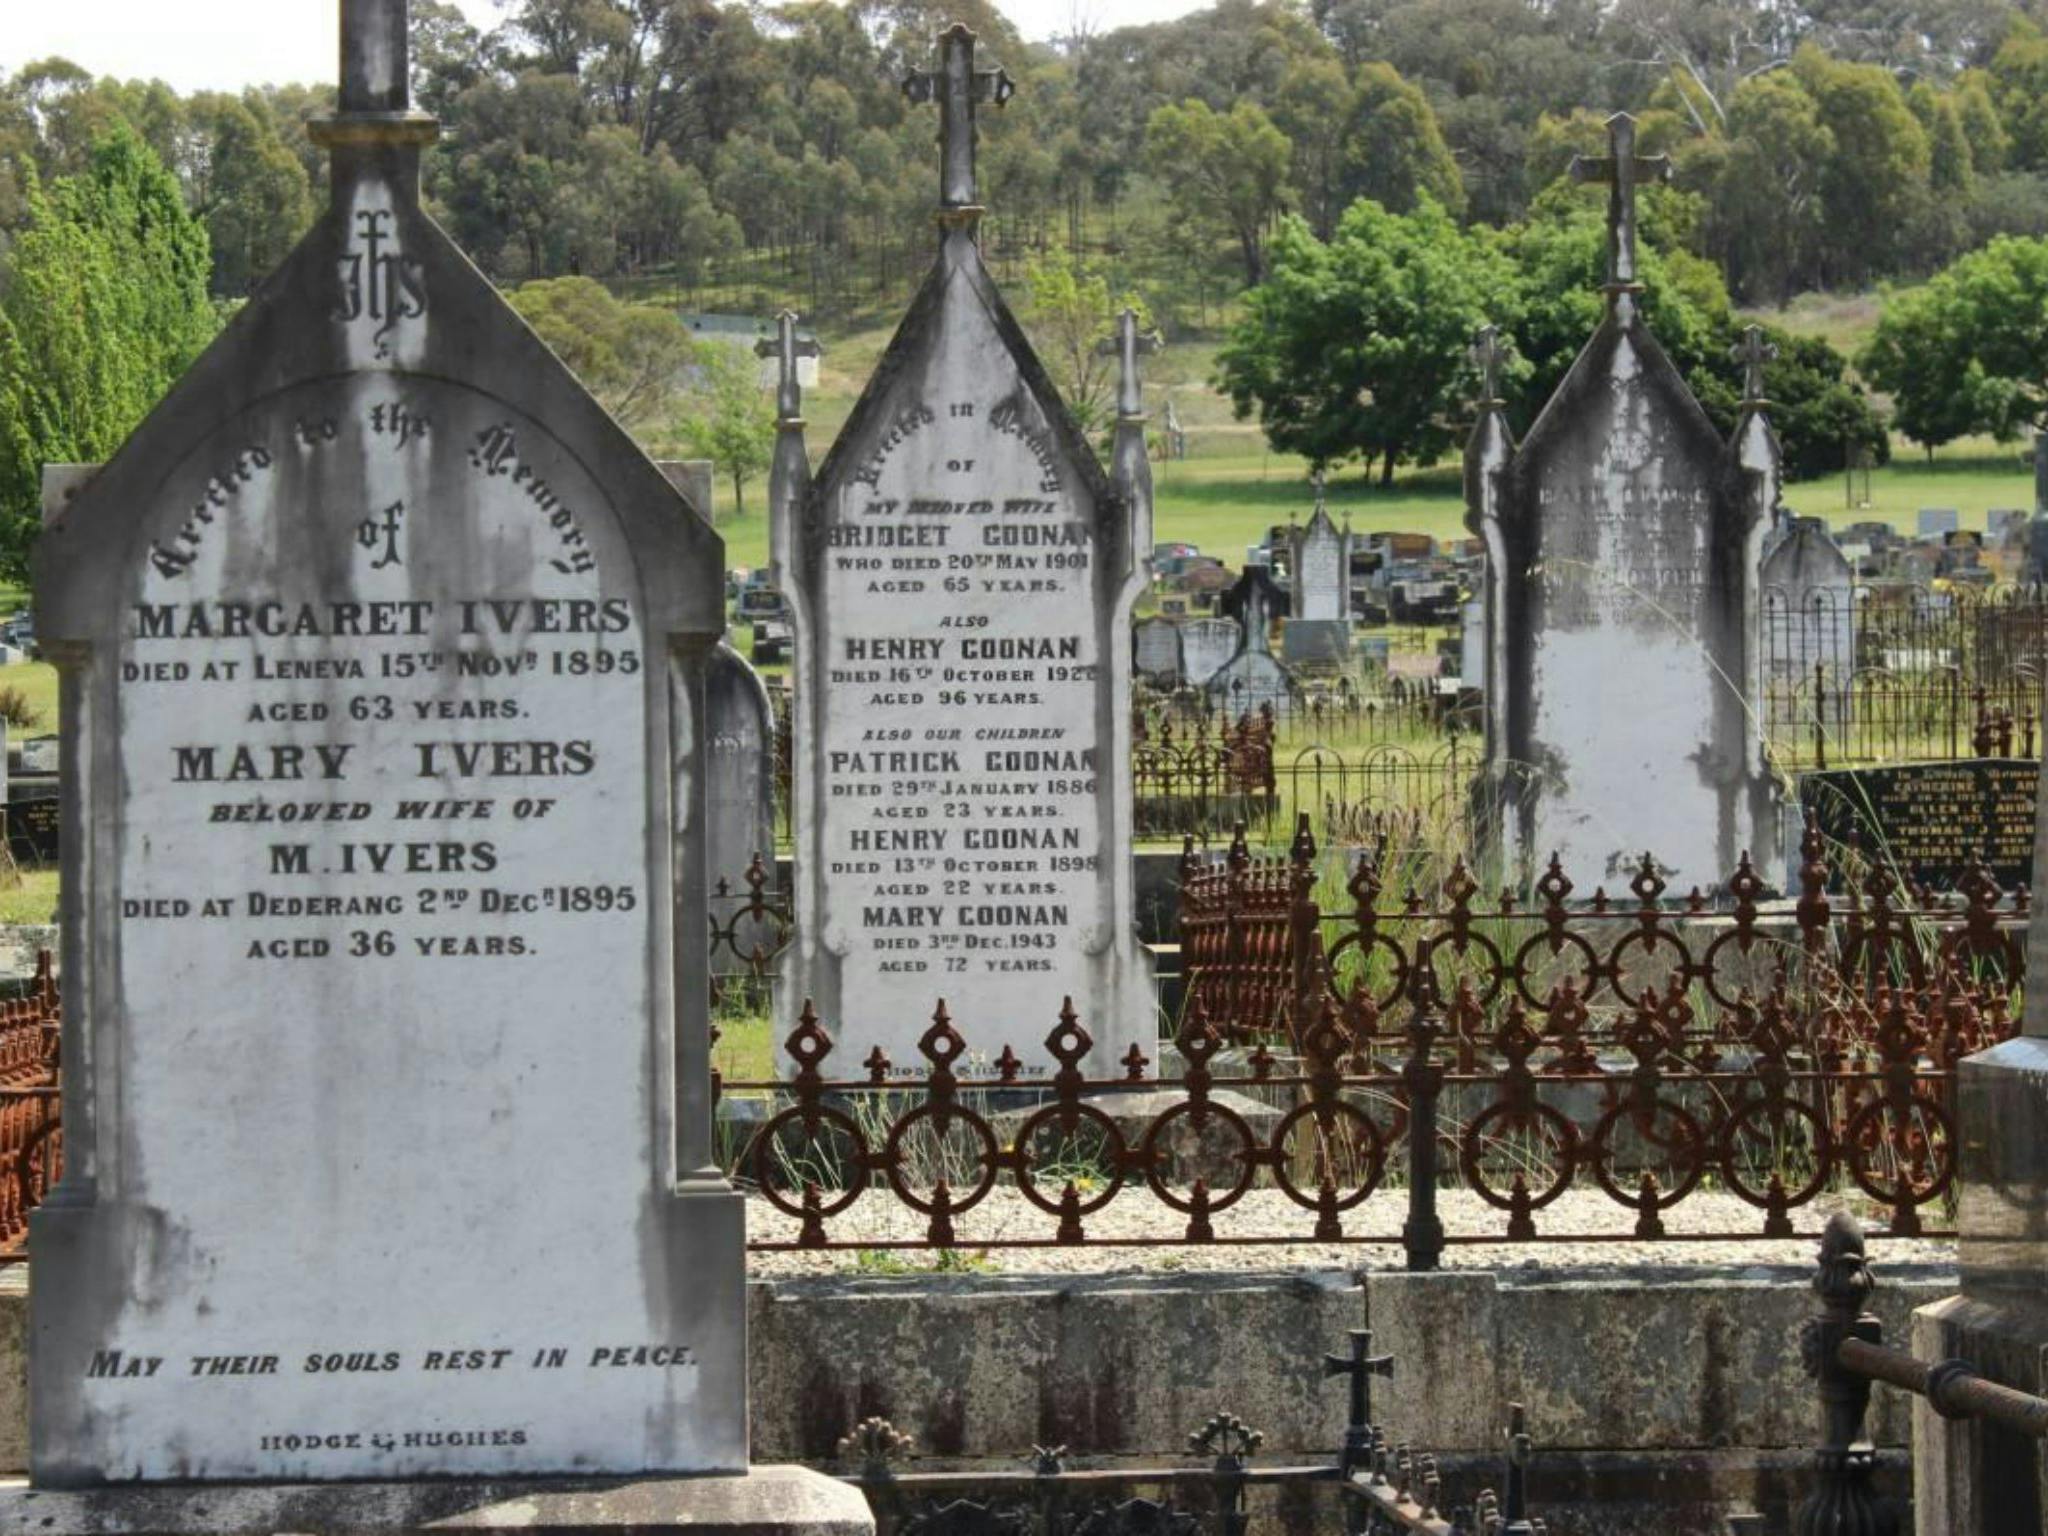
1319, 625
387, 1092
962, 574
1622, 545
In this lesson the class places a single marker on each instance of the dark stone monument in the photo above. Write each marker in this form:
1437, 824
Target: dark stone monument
1254, 677
1972, 1477
1622, 544
962, 574
387, 1097
1932, 822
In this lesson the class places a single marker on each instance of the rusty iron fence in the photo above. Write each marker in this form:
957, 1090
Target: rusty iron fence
1874, 674
31, 1124
1551, 1070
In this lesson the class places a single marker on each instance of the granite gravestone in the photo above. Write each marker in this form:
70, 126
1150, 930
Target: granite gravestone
387, 1101
1931, 823
1319, 626
1973, 1477
962, 574
1206, 644
1253, 678
1622, 544
1156, 652
1934, 522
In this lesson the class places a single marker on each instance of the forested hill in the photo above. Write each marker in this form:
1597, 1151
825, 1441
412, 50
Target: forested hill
759, 155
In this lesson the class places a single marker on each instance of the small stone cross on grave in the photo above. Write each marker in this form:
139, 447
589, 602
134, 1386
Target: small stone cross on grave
789, 348
1620, 169
1489, 356
958, 85
1127, 346
1361, 1365
1753, 352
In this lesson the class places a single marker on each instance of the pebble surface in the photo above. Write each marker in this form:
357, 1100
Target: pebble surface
1140, 1217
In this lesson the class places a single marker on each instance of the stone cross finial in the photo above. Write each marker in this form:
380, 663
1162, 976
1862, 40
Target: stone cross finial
958, 85
1753, 352
1489, 355
374, 56
788, 347
1127, 346
1620, 169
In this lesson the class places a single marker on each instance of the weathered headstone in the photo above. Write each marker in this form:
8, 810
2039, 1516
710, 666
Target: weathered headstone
1622, 544
1253, 677
739, 804
1472, 642
1156, 652
962, 575
1206, 644
1319, 622
1936, 521
1809, 605
383, 653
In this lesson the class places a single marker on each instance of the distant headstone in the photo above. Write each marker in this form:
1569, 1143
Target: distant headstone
1809, 605
1253, 677
1931, 822
962, 574
1156, 652
393, 900
1472, 643
41, 756
739, 802
1936, 521
1319, 624
2002, 523
1206, 644
1622, 545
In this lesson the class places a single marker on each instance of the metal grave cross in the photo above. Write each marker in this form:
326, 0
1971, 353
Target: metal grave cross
958, 86
1361, 1365
1620, 169
1753, 352
1127, 346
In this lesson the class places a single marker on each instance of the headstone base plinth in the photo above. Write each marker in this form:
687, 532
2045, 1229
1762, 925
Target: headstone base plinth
764, 1501
1970, 1477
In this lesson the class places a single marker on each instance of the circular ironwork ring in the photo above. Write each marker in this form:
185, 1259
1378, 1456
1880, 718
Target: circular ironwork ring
1397, 985
1566, 940
1154, 1177
1472, 1142
1823, 1150
1027, 1185
1338, 1110
1495, 969
1649, 944
1865, 1121
1710, 967
763, 1146
892, 1155
1667, 1195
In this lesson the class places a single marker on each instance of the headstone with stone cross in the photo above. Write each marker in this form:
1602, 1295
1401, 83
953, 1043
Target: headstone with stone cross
962, 573
1206, 644
1319, 622
1623, 539
383, 654
1253, 677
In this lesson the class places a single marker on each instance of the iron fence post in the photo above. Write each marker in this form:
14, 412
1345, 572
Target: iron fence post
1422, 1236
1843, 1502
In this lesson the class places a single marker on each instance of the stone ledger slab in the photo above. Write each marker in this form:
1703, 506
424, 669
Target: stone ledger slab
765, 1501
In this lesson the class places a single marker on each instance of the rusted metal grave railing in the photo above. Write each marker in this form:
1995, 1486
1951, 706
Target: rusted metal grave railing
1843, 1350
1417, 1052
31, 1104
1386, 1488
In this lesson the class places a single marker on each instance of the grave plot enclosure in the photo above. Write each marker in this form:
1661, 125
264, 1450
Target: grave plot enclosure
386, 1096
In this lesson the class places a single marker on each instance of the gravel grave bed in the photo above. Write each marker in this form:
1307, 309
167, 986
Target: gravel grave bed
877, 1218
